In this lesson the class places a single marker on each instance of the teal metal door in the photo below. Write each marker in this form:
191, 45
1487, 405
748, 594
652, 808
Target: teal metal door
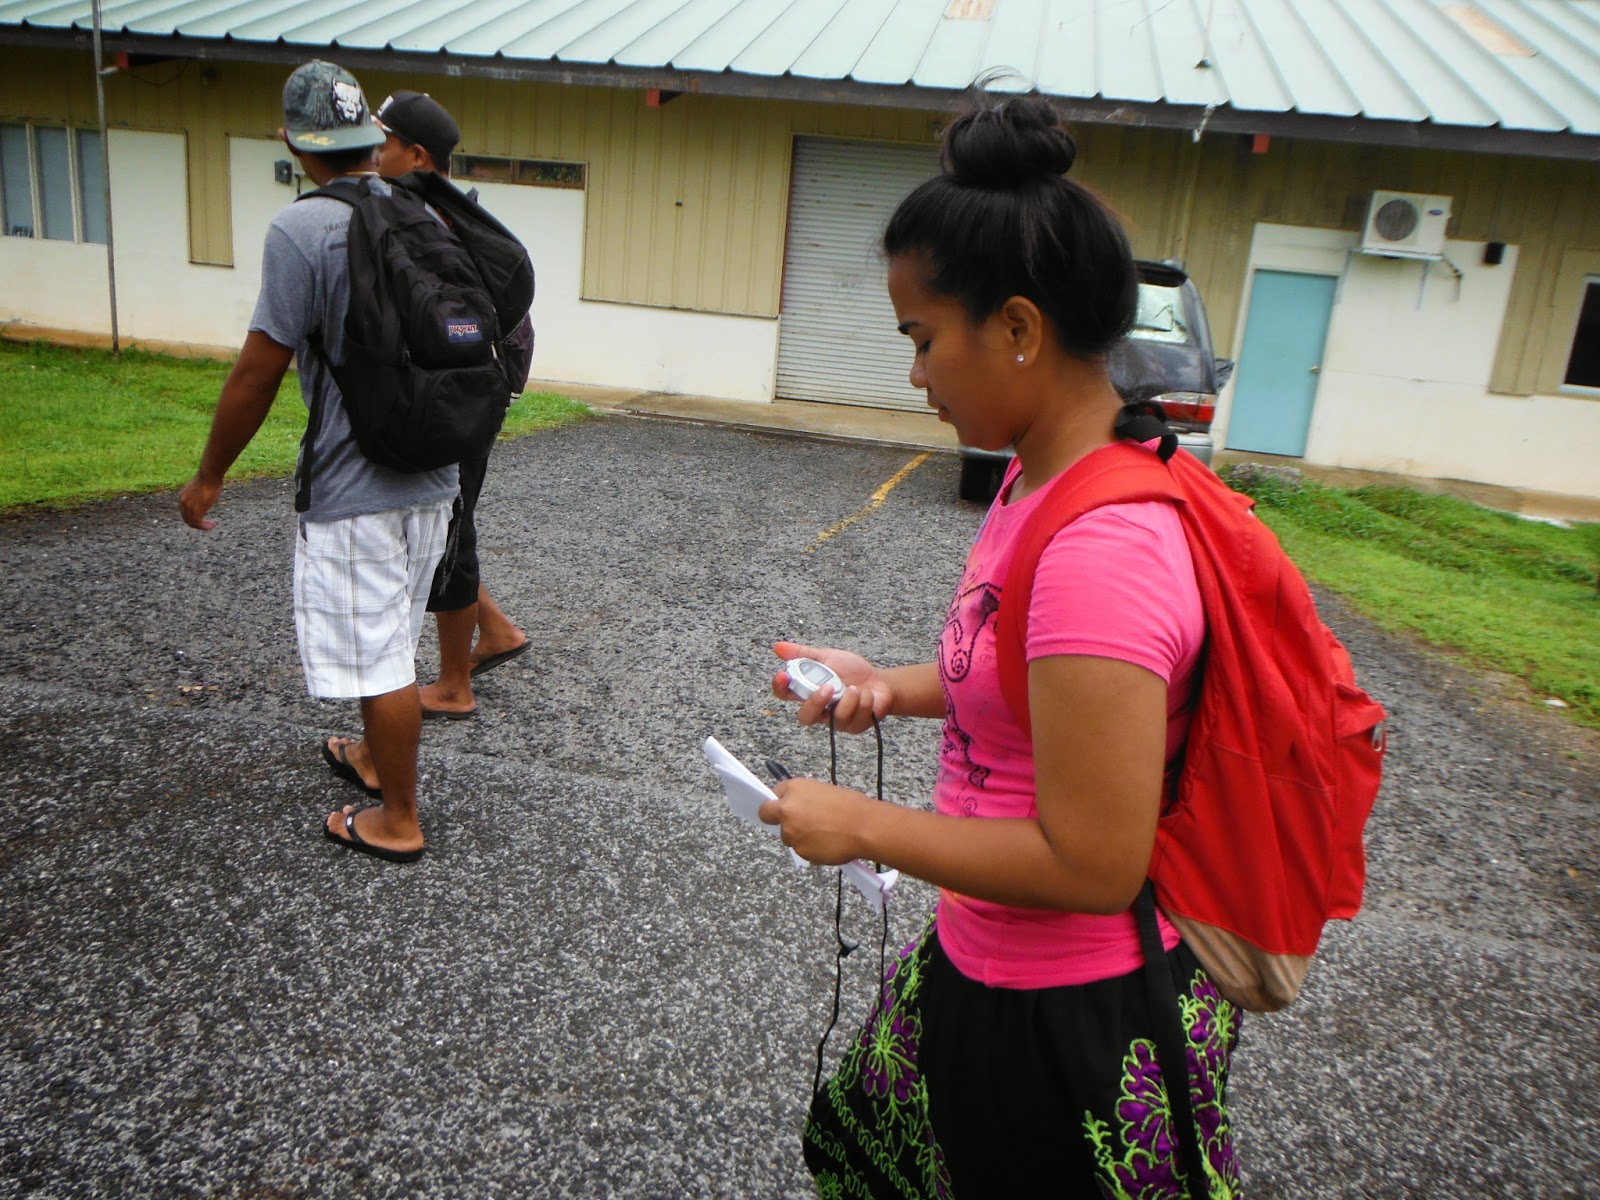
1280, 362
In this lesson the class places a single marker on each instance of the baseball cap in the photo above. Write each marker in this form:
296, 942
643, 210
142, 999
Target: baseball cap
324, 110
418, 117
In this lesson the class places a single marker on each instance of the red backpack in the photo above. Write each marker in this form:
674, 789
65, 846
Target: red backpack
1260, 843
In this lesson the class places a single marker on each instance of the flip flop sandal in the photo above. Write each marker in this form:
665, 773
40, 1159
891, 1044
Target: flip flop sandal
361, 846
495, 660
445, 714
342, 768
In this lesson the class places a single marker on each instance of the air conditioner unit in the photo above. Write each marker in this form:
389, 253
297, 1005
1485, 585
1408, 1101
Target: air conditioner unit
1406, 225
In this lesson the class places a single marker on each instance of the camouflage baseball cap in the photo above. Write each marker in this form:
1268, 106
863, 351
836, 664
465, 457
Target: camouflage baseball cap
324, 110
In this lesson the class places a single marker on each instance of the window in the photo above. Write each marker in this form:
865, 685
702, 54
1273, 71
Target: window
1583, 367
533, 171
52, 183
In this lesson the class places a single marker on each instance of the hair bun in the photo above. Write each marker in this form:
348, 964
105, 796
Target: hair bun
1007, 143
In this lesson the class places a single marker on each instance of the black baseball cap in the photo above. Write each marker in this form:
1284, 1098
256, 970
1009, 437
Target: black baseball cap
418, 117
324, 110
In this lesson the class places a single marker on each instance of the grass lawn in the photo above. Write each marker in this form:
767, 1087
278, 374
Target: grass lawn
1519, 597
1516, 596
81, 425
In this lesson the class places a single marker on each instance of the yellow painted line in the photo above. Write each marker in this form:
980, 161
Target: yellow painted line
878, 497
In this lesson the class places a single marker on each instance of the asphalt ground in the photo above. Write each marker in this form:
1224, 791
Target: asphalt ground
597, 983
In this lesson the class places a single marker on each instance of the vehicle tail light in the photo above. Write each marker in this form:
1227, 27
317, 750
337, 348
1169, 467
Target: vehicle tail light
1192, 409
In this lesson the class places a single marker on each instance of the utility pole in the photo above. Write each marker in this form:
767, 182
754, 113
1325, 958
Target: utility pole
100, 73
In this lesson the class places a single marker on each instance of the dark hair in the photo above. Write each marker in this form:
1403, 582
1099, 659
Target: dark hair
1003, 220
342, 161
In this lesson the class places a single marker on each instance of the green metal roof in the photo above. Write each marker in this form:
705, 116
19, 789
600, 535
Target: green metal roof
1500, 67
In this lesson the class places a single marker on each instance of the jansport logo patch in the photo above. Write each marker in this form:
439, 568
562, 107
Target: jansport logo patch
463, 331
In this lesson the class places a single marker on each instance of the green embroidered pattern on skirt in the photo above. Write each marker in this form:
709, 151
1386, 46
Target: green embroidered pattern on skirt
878, 1100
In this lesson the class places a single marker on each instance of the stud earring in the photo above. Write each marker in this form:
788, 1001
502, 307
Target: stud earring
1019, 358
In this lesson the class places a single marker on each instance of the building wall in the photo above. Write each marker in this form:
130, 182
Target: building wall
1404, 380
162, 295
667, 273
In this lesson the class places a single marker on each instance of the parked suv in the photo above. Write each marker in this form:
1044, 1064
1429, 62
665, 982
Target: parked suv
1166, 357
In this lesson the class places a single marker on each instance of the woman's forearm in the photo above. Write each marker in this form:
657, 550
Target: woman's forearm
917, 690
1004, 861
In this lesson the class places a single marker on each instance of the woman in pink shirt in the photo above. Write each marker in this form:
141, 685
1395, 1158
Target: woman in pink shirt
1011, 1051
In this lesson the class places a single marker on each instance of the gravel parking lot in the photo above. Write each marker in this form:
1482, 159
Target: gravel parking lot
597, 984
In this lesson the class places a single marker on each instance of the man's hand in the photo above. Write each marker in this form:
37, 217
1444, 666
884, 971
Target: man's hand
196, 500
246, 398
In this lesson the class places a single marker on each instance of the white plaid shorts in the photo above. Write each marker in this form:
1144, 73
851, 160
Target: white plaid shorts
360, 590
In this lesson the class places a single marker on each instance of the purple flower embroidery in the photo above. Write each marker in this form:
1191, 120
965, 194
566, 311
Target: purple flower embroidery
1143, 1161
890, 1059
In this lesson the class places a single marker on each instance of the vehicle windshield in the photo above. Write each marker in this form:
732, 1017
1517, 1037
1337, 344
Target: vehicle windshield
1161, 316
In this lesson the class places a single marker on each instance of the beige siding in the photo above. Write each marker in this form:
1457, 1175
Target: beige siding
1545, 207
204, 102
687, 203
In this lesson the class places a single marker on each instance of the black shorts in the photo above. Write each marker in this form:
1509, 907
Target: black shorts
455, 582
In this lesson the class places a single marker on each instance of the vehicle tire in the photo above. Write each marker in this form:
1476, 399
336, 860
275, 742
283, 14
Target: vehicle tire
980, 479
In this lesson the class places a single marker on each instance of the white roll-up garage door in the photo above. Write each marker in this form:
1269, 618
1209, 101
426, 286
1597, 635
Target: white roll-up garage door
838, 342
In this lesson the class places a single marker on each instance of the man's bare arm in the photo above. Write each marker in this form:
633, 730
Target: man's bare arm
246, 399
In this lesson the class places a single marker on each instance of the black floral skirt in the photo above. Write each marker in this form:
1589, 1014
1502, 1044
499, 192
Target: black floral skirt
958, 1090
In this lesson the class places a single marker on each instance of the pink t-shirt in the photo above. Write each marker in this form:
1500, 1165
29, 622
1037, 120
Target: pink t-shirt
1116, 583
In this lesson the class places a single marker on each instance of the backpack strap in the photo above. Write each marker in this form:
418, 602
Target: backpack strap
1172, 1045
307, 463
1123, 472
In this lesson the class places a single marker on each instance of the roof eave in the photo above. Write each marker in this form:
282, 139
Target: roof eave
1315, 127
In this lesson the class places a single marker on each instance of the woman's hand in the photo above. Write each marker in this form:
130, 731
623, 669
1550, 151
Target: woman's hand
818, 821
868, 693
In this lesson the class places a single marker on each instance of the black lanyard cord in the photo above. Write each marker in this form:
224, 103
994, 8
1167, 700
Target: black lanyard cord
842, 947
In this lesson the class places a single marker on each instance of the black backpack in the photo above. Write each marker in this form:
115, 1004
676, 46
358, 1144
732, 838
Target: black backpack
427, 375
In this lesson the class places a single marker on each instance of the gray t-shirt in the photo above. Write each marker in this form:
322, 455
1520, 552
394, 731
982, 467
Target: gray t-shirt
305, 287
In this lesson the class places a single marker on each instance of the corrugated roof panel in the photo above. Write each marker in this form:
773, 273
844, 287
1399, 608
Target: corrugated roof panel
18, 11
1178, 44
547, 39
689, 27
1550, 26
958, 50
1370, 76
518, 22
1272, 64
1520, 64
1408, 53
1066, 61
835, 51
775, 51
1577, 108
1559, 66
129, 15
1478, 70
1010, 38
1126, 61
1247, 78
1579, 24
207, 18
366, 23
230, 18
384, 30
455, 20
639, 20
893, 56
324, 18
223, 18
717, 47
158, 14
